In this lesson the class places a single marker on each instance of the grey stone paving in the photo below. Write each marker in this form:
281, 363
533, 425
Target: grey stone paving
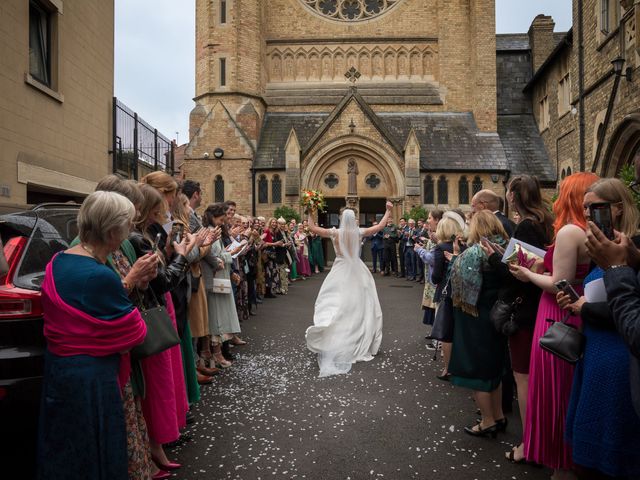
270, 417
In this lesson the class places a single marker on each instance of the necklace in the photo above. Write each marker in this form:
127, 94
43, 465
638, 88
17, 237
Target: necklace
90, 251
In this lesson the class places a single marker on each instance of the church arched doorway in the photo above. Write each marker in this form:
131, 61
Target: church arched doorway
623, 147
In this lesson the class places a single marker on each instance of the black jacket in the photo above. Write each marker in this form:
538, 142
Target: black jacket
169, 275
529, 232
623, 293
508, 225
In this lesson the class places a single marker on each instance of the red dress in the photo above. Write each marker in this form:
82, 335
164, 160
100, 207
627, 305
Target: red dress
550, 380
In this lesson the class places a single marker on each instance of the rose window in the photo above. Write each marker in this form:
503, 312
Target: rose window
350, 10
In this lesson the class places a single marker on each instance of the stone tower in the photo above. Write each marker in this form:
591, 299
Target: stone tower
225, 123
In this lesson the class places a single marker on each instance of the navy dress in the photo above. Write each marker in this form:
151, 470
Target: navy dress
602, 425
82, 429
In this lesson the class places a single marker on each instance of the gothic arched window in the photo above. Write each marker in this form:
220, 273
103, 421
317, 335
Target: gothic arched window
568, 171
263, 189
218, 189
563, 174
350, 10
443, 190
429, 196
463, 191
477, 184
276, 189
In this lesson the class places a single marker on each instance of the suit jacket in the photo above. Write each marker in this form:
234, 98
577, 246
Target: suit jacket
508, 225
377, 241
623, 293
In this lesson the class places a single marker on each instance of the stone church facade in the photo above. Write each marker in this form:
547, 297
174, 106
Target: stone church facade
367, 100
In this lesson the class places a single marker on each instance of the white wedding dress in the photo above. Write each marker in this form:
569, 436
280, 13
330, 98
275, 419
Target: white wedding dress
347, 318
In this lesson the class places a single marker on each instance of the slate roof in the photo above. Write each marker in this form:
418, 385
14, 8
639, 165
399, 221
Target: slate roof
275, 133
524, 147
448, 141
512, 41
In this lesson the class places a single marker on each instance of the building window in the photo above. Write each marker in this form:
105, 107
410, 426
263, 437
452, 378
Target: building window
563, 174
331, 180
218, 189
443, 190
350, 10
609, 16
463, 191
543, 109
372, 181
568, 171
564, 87
477, 185
263, 189
39, 43
429, 196
223, 11
604, 16
276, 189
223, 72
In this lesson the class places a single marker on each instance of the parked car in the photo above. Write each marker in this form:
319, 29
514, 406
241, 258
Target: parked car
30, 240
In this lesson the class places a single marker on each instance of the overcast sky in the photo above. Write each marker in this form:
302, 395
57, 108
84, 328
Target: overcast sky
155, 45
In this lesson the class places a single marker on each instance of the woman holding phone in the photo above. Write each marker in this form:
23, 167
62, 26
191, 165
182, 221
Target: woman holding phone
602, 426
550, 377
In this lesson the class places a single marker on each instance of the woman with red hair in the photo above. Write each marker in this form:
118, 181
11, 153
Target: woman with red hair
550, 378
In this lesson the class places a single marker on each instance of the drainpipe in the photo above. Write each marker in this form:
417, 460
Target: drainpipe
581, 83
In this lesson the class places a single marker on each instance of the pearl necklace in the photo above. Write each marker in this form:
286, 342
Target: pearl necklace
91, 252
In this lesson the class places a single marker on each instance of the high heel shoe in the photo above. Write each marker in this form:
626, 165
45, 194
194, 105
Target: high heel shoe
161, 475
478, 431
501, 425
165, 466
218, 358
237, 341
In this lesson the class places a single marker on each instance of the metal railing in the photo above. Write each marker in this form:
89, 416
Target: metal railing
137, 146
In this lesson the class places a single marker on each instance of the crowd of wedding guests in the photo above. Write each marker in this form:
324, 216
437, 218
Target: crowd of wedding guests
582, 420
142, 310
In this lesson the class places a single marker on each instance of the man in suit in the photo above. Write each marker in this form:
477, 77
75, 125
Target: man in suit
401, 228
389, 254
408, 241
489, 200
377, 247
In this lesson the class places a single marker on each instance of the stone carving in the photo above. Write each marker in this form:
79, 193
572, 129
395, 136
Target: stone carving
350, 10
304, 63
352, 172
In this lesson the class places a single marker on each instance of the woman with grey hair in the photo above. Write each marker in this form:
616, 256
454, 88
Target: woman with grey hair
88, 322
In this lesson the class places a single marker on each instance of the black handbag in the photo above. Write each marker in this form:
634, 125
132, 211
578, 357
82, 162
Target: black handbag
503, 316
161, 334
563, 341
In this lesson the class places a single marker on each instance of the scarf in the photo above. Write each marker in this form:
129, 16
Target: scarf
70, 331
466, 277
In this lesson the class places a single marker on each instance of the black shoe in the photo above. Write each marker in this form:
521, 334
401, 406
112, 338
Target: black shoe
501, 425
226, 353
491, 431
190, 418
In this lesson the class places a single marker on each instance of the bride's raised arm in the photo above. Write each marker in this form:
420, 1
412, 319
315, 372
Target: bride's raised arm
368, 232
313, 228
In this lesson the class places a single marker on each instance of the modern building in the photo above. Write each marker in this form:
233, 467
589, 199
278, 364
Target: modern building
56, 93
409, 100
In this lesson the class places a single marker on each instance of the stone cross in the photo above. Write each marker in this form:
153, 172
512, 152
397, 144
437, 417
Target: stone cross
353, 75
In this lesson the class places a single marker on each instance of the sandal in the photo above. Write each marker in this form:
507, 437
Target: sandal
511, 456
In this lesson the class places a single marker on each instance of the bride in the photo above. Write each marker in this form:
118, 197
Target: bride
347, 318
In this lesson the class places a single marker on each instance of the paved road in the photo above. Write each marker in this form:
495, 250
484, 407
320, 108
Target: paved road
270, 417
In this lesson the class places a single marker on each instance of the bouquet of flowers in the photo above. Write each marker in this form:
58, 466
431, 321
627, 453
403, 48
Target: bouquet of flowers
313, 200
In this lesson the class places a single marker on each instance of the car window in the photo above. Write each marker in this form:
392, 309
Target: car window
53, 232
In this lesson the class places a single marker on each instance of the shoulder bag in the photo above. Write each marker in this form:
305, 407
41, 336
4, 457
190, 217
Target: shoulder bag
563, 341
161, 334
221, 286
503, 315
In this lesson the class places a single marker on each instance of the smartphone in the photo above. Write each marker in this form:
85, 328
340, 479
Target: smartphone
156, 243
177, 232
567, 289
600, 214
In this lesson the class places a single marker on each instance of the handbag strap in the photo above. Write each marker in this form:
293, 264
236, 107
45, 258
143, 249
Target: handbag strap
142, 305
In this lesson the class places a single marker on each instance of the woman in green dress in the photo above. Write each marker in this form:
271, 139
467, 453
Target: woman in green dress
316, 255
479, 351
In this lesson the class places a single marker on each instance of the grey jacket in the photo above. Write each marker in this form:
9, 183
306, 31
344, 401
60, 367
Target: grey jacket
623, 292
210, 265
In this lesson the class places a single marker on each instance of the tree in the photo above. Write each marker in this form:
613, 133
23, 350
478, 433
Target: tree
628, 176
418, 212
287, 213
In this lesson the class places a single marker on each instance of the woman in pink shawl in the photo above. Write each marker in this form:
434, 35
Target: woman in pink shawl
89, 324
